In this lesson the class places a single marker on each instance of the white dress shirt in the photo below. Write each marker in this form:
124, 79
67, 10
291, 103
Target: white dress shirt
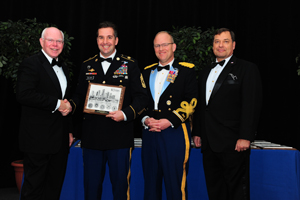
212, 78
61, 78
105, 67
105, 64
161, 77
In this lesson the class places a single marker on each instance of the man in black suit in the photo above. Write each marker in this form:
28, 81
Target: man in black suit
109, 138
172, 91
45, 129
226, 118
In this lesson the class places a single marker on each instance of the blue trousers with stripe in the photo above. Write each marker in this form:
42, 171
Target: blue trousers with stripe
165, 155
119, 171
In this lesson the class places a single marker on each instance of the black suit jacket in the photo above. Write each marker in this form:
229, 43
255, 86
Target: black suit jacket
99, 132
179, 98
233, 109
38, 89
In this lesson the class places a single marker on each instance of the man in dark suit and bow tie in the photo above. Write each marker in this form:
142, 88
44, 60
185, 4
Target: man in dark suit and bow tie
172, 93
45, 131
110, 138
226, 118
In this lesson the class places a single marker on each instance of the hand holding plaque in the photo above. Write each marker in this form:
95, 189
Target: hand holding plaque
102, 99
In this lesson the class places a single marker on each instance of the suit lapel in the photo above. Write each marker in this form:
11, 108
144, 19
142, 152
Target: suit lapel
66, 72
204, 74
47, 66
115, 64
166, 85
223, 76
112, 68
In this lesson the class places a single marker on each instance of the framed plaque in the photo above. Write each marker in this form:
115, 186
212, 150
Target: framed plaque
102, 99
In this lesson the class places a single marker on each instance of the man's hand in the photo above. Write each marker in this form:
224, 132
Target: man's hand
71, 139
65, 107
157, 125
197, 141
242, 145
116, 115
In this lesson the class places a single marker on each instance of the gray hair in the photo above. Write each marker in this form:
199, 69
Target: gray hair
43, 33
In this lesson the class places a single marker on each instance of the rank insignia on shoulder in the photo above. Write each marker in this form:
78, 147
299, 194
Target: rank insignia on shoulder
149, 66
91, 58
185, 64
127, 57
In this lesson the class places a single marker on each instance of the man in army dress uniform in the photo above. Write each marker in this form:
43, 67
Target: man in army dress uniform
109, 138
172, 93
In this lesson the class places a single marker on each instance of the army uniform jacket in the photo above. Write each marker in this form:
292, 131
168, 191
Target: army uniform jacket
99, 132
178, 96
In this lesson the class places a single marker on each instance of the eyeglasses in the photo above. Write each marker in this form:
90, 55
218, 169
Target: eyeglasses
52, 41
163, 45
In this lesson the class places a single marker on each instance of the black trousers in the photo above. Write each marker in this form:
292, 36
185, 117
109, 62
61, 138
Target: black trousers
227, 174
44, 175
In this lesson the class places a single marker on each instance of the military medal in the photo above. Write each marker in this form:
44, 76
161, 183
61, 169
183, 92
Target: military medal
172, 75
122, 70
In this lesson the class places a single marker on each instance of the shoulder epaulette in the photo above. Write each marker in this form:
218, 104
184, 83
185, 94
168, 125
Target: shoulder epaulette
90, 58
185, 64
149, 66
127, 57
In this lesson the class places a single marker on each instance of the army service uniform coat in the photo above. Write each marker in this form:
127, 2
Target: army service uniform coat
99, 132
179, 94
165, 154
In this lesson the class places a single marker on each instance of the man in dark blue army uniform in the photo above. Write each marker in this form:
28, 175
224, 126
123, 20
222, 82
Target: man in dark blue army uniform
172, 93
109, 138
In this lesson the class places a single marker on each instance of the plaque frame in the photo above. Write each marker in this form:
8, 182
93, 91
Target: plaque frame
102, 98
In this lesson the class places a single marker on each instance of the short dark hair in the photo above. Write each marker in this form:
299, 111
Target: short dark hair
221, 30
107, 24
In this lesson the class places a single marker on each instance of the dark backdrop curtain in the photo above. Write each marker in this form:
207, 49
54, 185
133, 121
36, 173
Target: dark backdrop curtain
267, 34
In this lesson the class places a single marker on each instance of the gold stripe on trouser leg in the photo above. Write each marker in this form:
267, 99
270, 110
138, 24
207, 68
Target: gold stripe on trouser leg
129, 174
187, 154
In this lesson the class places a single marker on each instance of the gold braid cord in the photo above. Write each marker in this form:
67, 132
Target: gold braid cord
186, 109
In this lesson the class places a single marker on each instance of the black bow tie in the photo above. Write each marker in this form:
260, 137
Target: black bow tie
167, 67
54, 62
216, 63
105, 59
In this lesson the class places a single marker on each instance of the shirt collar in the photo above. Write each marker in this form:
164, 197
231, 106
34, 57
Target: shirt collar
226, 60
170, 63
48, 57
111, 56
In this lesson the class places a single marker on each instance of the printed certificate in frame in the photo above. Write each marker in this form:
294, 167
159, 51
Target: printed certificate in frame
102, 99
